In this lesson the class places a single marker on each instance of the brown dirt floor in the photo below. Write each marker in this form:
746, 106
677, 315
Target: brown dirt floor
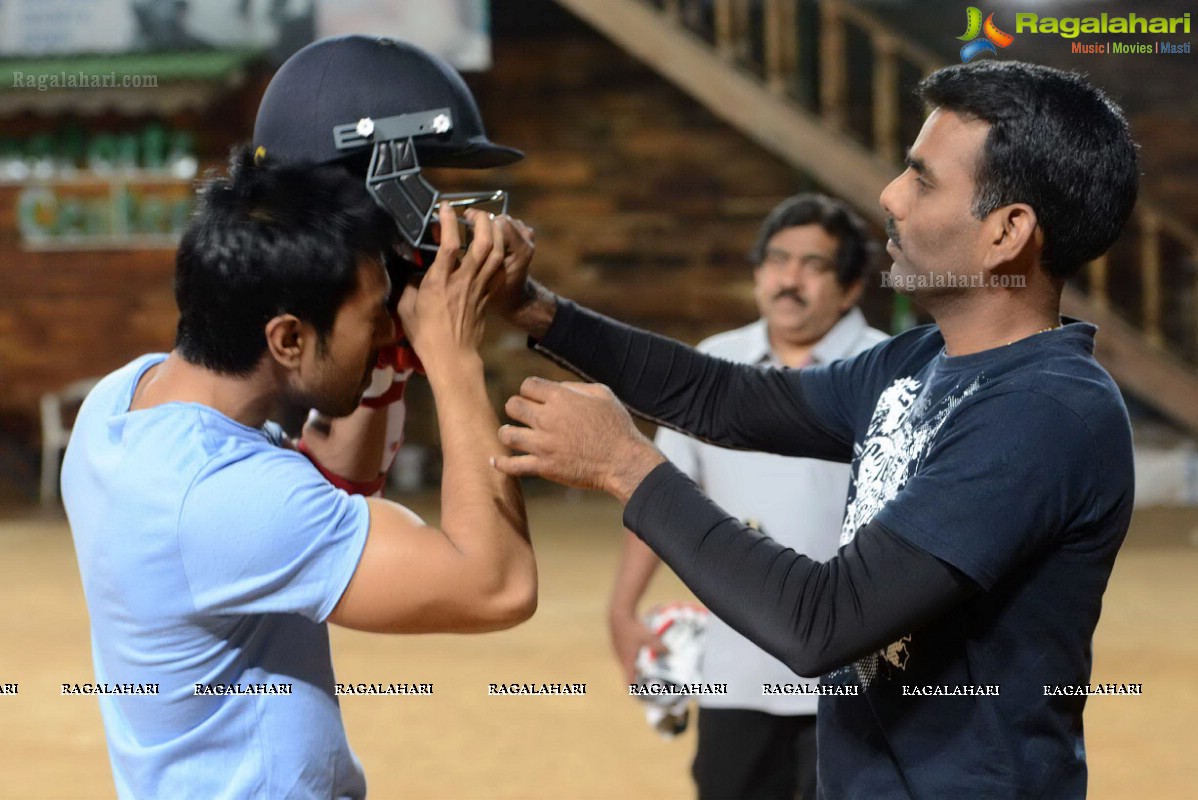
459, 743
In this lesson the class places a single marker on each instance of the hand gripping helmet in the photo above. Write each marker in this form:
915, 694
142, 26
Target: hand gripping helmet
382, 108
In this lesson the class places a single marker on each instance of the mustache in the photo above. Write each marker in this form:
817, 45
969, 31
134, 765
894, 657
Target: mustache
792, 294
892, 232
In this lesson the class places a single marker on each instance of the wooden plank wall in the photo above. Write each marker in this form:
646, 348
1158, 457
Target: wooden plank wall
644, 204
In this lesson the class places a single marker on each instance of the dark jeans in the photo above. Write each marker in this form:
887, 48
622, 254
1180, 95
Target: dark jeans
751, 755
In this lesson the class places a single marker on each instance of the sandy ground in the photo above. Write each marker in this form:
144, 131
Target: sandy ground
460, 743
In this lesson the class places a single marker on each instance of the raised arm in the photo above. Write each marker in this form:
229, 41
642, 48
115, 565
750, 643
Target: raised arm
812, 616
721, 402
732, 405
476, 571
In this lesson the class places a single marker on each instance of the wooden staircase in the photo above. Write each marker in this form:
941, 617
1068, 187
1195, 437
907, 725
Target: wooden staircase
743, 59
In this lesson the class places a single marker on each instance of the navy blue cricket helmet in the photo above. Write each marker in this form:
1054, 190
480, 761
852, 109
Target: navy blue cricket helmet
382, 108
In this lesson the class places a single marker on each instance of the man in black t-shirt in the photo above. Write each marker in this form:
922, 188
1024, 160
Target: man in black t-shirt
991, 455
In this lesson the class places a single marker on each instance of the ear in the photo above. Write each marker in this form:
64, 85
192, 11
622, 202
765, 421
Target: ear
851, 295
1008, 230
285, 340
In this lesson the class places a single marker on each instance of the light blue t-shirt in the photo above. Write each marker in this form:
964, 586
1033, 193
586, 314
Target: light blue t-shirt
210, 555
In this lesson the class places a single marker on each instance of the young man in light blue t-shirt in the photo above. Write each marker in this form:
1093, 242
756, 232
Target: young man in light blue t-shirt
212, 553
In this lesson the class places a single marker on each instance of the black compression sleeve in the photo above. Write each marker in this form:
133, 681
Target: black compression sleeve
732, 405
814, 617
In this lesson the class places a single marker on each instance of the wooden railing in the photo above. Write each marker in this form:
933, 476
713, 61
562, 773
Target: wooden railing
765, 37
888, 53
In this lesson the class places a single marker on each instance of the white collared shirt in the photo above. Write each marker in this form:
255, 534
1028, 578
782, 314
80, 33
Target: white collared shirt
797, 501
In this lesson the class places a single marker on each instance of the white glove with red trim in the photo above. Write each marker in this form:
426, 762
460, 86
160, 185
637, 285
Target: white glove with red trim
395, 365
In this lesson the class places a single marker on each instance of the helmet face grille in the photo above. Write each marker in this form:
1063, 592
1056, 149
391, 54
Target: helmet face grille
419, 193
394, 181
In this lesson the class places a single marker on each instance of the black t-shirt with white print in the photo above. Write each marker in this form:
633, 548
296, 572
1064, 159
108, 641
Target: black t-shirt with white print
1012, 466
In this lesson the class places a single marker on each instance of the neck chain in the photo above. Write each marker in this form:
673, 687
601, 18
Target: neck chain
1037, 333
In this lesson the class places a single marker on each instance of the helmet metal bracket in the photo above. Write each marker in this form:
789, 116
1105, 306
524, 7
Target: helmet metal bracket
353, 135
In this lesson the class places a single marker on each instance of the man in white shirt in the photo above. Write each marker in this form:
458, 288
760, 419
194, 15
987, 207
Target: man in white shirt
758, 740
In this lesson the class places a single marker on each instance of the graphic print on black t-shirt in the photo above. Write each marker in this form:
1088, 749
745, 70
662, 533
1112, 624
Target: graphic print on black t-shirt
901, 431
1024, 488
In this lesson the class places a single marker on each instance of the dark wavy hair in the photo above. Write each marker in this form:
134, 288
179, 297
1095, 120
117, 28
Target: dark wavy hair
855, 251
1056, 142
266, 239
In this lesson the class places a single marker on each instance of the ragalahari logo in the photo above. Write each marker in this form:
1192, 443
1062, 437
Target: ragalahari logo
991, 35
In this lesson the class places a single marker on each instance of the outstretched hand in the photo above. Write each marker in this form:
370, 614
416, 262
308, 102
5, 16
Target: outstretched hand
576, 434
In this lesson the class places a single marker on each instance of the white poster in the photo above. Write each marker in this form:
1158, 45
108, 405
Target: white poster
458, 30
37, 27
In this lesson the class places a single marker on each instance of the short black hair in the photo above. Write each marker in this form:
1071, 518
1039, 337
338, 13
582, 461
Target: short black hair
1056, 142
856, 250
266, 239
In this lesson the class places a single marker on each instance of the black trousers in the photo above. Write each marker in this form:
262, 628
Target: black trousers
751, 755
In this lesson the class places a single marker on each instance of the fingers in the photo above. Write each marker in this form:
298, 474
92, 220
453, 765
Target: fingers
589, 389
517, 466
519, 438
629, 642
483, 259
535, 454
485, 283
541, 390
526, 232
480, 245
454, 267
521, 409
538, 389
518, 236
567, 438
448, 251
524, 236
407, 305
493, 284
